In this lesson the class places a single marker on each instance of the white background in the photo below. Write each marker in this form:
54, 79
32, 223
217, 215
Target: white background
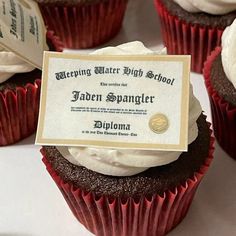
31, 204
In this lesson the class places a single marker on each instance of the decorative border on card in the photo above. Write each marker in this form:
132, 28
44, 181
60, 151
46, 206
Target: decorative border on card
182, 145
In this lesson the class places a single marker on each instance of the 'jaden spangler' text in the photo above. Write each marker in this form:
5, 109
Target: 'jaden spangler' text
112, 97
125, 71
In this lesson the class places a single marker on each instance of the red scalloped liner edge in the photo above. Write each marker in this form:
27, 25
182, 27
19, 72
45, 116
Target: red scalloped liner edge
85, 26
55, 41
182, 38
157, 215
223, 113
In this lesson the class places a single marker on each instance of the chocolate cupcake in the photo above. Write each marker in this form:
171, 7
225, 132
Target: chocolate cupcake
220, 79
19, 95
83, 23
110, 191
194, 27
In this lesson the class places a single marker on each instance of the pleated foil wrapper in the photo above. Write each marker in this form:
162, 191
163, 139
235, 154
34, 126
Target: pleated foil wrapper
223, 113
153, 216
182, 38
84, 25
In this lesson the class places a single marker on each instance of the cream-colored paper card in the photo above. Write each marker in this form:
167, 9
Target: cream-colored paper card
136, 102
22, 30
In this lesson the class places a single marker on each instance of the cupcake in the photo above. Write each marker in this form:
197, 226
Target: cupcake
194, 27
19, 94
110, 191
83, 23
220, 79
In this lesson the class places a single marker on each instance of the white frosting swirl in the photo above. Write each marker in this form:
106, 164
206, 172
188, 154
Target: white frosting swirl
124, 162
11, 64
214, 7
228, 53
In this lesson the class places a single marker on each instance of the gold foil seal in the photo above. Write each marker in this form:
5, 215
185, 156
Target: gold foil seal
159, 123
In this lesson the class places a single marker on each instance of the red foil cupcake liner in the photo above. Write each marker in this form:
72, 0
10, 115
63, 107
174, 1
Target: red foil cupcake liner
223, 113
19, 112
156, 215
184, 38
19, 107
85, 25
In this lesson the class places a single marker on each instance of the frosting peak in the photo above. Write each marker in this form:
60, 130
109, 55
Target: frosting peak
214, 7
11, 64
124, 162
228, 53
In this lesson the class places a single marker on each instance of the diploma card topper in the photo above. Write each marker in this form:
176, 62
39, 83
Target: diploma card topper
22, 30
132, 102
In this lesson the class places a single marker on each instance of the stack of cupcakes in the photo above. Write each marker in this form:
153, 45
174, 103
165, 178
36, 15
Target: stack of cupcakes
194, 27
